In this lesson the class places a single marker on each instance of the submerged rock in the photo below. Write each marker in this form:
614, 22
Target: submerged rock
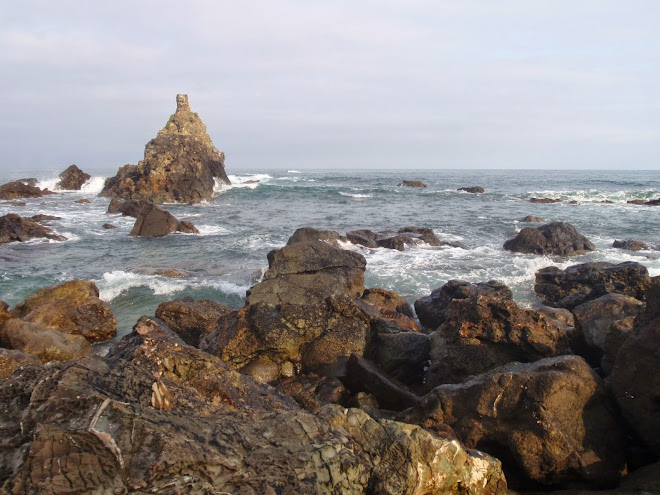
532, 219
13, 228
473, 190
630, 245
555, 238
544, 200
400, 239
154, 222
73, 178
180, 164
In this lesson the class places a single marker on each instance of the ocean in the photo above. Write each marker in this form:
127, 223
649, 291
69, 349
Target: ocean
262, 209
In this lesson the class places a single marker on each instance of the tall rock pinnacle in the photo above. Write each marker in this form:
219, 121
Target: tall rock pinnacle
180, 164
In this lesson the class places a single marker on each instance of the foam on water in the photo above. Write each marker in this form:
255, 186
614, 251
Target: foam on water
293, 172
212, 230
355, 195
251, 181
93, 186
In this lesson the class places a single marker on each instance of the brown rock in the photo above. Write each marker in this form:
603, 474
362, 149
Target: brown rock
13, 228
45, 343
73, 178
630, 245
192, 319
129, 208
154, 222
180, 164
473, 190
109, 226
312, 391
544, 200
532, 219
412, 183
391, 307
82, 201
73, 307
44, 218
11, 360
305, 234
19, 189
556, 238
365, 238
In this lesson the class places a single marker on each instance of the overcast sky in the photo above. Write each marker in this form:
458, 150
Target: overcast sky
325, 84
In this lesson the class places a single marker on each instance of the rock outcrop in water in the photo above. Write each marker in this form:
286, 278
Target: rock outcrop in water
556, 238
154, 222
73, 178
180, 164
19, 189
14, 227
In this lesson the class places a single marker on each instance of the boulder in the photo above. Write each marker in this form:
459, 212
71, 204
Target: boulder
603, 325
532, 219
365, 238
192, 319
550, 422
41, 218
312, 391
483, 331
635, 379
555, 238
73, 307
630, 245
431, 309
309, 272
72, 178
268, 341
154, 222
305, 234
12, 359
180, 164
128, 208
20, 189
391, 307
14, 228
544, 200
399, 240
578, 284
412, 183
163, 417
473, 189
45, 343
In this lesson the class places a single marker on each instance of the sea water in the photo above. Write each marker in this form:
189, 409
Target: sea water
262, 209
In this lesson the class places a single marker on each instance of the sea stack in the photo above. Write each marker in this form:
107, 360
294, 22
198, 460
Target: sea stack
180, 164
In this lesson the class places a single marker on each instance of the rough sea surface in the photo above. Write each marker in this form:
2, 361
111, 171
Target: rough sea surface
261, 210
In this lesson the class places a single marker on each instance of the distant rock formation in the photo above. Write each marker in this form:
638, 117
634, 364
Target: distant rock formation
73, 178
23, 188
473, 190
180, 164
411, 183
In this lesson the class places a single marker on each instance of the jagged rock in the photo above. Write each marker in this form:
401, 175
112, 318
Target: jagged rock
109, 226
473, 190
45, 343
431, 309
603, 325
180, 164
73, 307
11, 360
154, 222
587, 281
30, 181
94, 427
13, 228
308, 272
305, 234
550, 422
192, 319
653, 202
556, 238
544, 200
391, 307
399, 240
20, 189
72, 178
412, 183
271, 341
41, 218
128, 208
630, 245
365, 238
635, 378
312, 391
486, 330
532, 219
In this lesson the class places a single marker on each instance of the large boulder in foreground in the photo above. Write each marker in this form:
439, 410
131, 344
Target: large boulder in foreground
158, 416
635, 378
550, 422
72, 178
154, 222
73, 307
308, 272
554, 238
14, 228
588, 281
180, 164
22, 189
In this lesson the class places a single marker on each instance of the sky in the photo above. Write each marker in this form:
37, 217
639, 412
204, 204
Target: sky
294, 84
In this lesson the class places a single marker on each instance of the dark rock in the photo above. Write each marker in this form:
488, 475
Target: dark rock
15, 203
180, 164
397, 242
630, 245
31, 181
45, 343
308, 272
391, 307
82, 201
109, 226
73, 307
532, 219
556, 238
19, 189
154, 222
192, 319
365, 238
5, 314
313, 391
269, 342
13, 228
581, 283
595, 323
550, 422
11, 360
363, 376
412, 183
129, 208
305, 234
431, 309
635, 378
474, 189
544, 200
72, 178
44, 218
483, 331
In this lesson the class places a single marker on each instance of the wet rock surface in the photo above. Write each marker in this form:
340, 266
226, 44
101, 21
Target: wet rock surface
154, 222
72, 178
14, 228
192, 319
128, 208
473, 189
555, 238
411, 183
22, 189
406, 236
630, 245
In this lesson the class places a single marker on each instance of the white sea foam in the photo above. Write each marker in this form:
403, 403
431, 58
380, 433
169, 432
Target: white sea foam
93, 186
595, 195
355, 195
49, 184
293, 172
212, 230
